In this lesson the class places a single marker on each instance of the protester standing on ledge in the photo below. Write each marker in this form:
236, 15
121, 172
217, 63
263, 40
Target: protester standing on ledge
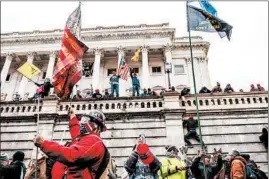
44, 89
114, 81
135, 83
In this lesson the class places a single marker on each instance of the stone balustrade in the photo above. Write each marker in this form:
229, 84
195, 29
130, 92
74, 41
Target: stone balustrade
225, 101
139, 104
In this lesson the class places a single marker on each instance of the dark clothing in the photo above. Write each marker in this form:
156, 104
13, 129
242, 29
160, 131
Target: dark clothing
13, 171
47, 86
185, 92
217, 89
197, 168
96, 95
137, 170
204, 90
77, 96
264, 138
136, 89
191, 125
228, 90
191, 134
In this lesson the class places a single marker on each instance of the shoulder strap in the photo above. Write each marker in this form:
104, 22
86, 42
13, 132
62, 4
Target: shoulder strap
103, 164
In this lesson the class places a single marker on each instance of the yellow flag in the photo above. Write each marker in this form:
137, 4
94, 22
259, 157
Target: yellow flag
28, 70
135, 58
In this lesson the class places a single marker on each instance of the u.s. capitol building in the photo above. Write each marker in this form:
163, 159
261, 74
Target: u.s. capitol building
228, 120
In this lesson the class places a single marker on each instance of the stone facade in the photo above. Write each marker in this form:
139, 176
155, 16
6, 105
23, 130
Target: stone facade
107, 44
227, 121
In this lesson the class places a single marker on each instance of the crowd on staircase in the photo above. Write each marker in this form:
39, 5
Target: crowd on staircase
87, 157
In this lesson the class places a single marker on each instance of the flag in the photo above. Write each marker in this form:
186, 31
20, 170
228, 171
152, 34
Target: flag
201, 20
123, 69
68, 70
135, 58
28, 70
208, 7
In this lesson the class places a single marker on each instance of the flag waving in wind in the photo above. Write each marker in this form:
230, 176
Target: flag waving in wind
208, 7
68, 70
123, 69
203, 20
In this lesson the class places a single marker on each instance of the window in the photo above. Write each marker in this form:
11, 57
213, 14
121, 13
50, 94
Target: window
8, 77
110, 71
179, 69
135, 70
87, 69
44, 75
156, 70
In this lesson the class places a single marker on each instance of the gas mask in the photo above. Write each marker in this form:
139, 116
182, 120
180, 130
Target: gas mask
86, 125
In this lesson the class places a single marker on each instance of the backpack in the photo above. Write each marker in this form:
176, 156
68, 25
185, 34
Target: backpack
250, 173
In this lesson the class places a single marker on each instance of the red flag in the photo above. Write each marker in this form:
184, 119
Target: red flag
123, 69
68, 70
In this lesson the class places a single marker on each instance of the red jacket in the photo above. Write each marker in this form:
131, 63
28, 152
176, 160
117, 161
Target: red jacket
83, 150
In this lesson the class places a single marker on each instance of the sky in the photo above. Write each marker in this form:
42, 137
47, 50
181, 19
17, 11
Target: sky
240, 62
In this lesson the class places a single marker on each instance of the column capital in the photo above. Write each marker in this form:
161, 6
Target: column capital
144, 49
31, 54
188, 59
53, 53
121, 50
97, 51
168, 48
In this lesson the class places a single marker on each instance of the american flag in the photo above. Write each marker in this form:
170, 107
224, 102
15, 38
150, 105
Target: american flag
68, 70
123, 69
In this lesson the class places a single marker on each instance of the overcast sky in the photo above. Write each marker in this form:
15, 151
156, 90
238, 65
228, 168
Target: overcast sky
242, 61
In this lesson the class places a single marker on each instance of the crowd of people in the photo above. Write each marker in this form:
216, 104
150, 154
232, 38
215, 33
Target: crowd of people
87, 157
43, 90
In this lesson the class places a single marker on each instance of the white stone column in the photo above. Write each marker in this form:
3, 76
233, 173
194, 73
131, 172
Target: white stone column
24, 81
51, 64
123, 85
96, 70
5, 70
145, 68
190, 74
168, 59
203, 62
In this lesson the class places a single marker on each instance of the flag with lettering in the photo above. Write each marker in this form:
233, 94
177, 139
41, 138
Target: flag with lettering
29, 70
135, 58
123, 69
201, 20
68, 70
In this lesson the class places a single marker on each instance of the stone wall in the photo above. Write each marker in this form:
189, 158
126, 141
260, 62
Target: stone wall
225, 125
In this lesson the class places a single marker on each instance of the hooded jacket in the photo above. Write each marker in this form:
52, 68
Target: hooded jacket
169, 168
238, 168
13, 171
197, 168
81, 159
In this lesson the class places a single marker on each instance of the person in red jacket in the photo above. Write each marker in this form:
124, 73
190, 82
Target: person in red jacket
84, 157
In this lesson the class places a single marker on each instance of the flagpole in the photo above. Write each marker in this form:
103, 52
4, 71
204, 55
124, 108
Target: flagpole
37, 130
194, 85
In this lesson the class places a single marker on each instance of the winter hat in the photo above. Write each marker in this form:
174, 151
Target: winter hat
170, 148
19, 155
4, 157
234, 153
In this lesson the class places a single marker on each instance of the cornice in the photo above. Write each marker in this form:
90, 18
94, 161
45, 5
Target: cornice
120, 35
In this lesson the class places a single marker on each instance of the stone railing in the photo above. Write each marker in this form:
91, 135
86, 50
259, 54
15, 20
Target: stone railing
225, 101
139, 104
112, 105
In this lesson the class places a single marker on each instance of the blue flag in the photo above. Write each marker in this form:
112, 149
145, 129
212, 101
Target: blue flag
201, 20
208, 7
